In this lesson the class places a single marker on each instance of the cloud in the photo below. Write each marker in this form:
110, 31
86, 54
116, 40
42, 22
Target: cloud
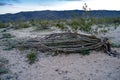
57, 5
70, 0
17, 1
4, 4
8, 2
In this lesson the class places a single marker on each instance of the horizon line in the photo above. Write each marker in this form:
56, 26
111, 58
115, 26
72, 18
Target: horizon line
56, 10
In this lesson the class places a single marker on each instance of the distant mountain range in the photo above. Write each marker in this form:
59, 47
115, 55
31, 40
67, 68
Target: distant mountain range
52, 15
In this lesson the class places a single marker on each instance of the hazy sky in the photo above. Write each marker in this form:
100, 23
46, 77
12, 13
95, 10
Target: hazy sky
14, 6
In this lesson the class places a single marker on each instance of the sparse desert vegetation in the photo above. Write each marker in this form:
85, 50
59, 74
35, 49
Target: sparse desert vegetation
43, 44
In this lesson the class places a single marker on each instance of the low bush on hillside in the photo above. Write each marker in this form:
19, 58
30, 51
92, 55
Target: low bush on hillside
3, 25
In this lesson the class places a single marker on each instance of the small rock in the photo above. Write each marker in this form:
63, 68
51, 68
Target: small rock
6, 77
3, 60
97, 71
89, 79
56, 69
20, 71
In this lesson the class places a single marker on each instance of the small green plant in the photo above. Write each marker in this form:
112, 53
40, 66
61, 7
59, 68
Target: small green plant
3, 70
85, 52
31, 57
115, 45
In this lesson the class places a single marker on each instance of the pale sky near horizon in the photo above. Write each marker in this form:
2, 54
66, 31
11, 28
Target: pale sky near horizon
14, 6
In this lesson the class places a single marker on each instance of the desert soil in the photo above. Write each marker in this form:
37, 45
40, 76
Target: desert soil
96, 66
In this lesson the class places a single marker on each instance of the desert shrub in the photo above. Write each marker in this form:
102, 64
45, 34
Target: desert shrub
60, 25
31, 57
85, 52
116, 21
24, 25
74, 25
107, 21
3, 25
39, 28
85, 22
42, 25
115, 45
82, 23
20, 24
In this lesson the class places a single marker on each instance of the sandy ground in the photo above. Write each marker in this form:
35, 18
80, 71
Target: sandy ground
96, 66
